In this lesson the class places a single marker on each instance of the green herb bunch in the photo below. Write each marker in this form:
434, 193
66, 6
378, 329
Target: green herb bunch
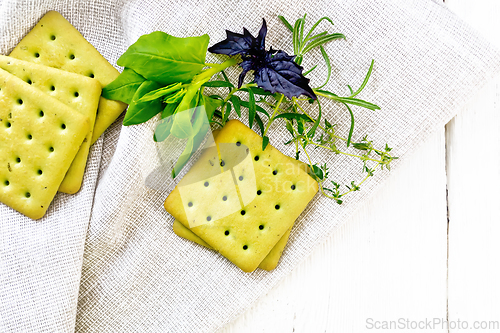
168, 75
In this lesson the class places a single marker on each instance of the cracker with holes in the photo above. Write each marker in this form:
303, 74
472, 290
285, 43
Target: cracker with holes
271, 193
39, 138
77, 91
270, 261
56, 43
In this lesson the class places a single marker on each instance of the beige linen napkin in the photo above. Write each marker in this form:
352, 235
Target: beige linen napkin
106, 259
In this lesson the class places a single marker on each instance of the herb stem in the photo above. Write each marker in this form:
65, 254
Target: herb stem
343, 153
308, 158
208, 73
272, 116
358, 185
272, 105
231, 93
248, 85
323, 191
301, 109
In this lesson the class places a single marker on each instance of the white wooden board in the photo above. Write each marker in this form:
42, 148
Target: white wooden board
473, 160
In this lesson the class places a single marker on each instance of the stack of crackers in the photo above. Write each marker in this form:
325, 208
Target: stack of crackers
240, 200
51, 111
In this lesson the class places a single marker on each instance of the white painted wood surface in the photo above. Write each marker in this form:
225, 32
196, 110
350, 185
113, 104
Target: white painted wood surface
473, 159
396, 259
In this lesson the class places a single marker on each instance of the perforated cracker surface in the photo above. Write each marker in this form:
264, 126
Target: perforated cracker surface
39, 138
56, 43
77, 91
247, 236
270, 261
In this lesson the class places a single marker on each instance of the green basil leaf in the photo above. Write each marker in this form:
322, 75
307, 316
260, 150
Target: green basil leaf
169, 110
200, 120
166, 59
175, 97
124, 86
140, 112
200, 127
158, 93
162, 130
182, 127
184, 158
237, 105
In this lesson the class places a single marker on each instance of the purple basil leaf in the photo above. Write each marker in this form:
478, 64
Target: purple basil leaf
261, 38
274, 71
244, 44
246, 65
280, 74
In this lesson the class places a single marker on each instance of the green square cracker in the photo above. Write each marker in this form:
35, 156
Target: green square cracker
56, 43
270, 261
247, 239
77, 91
39, 138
